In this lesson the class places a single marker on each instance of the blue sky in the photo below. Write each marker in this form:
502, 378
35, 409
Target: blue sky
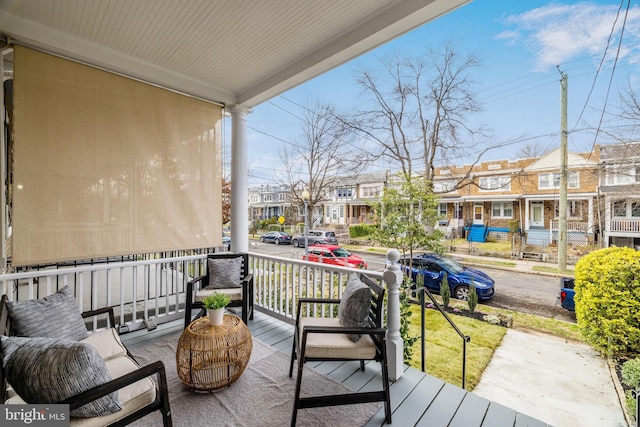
519, 44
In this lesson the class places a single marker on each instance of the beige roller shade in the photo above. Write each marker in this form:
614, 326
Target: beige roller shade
105, 165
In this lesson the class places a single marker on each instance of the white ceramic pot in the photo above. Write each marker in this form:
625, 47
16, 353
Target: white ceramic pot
216, 316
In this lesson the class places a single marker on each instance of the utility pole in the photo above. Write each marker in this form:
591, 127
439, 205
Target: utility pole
562, 219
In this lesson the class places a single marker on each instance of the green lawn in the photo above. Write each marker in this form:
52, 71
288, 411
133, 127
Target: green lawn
444, 346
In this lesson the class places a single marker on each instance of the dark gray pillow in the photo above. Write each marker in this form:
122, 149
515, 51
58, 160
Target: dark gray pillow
54, 316
355, 305
224, 273
47, 370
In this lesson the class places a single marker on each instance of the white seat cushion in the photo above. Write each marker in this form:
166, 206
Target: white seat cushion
107, 342
234, 293
335, 346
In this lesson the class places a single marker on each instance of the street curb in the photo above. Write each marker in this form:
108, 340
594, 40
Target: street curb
622, 399
500, 267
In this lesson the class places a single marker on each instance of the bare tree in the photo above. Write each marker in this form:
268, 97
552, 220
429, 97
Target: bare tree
419, 111
534, 149
322, 155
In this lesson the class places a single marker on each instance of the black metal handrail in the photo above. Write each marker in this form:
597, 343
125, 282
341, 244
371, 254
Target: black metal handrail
465, 338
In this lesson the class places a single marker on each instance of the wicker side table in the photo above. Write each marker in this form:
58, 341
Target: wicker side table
211, 357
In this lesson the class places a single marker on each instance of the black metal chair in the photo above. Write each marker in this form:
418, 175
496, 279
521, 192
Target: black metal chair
241, 295
325, 339
136, 408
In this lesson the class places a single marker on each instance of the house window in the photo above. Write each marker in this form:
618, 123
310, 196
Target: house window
344, 193
268, 197
493, 183
620, 208
622, 175
552, 180
574, 208
502, 210
442, 209
255, 198
635, 209
282, 197
370, 190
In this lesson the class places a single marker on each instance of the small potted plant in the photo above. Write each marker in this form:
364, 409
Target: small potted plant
215, 305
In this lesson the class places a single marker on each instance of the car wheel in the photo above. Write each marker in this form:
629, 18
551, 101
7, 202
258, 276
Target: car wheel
461, 292
262, 239
276, 241
296, 244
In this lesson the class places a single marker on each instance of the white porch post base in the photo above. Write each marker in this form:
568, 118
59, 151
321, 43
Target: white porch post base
395, 345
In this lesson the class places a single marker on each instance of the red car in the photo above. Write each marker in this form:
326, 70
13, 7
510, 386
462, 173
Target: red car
334, 254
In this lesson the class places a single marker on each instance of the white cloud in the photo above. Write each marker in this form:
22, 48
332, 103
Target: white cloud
557, 34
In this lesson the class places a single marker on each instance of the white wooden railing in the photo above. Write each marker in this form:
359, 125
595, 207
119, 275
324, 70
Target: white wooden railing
626, 225
279, 282
153, 291
571, 226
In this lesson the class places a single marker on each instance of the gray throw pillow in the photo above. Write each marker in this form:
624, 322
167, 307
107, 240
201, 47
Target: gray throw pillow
355, 305
46, 370
54, 316
224, 273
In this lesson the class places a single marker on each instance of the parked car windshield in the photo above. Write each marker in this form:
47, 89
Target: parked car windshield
341, 253
452, 265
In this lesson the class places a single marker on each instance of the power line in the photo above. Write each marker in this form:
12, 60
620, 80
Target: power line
624, 23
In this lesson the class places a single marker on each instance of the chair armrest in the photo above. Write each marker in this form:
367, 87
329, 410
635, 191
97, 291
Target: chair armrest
99, 311
192, 282
247, 284
313, 300
155, 368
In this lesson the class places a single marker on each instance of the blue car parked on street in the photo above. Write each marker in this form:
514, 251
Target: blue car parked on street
566, 293
432, 267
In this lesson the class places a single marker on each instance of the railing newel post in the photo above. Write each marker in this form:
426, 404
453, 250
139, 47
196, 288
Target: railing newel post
395, 345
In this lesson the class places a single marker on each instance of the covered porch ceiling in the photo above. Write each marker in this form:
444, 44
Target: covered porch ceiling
240, 52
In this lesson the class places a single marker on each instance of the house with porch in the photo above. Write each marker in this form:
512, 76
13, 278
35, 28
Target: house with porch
495, 197
350, 198
268, 201
619, 201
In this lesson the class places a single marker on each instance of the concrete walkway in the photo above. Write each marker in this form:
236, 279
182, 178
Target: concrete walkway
562, 383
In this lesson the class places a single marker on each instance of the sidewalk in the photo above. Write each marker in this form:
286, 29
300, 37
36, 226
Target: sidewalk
560, 382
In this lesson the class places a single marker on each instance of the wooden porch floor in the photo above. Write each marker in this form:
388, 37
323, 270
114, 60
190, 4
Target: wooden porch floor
417, 399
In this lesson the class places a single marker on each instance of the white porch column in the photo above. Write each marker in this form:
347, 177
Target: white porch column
239, 180
395, 345
527, 221
590, 218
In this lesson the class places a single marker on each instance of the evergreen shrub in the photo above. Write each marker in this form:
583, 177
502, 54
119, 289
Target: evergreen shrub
607, 285
445, 291
473, 298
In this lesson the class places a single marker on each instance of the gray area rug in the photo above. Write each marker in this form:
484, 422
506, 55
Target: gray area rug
262, 396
